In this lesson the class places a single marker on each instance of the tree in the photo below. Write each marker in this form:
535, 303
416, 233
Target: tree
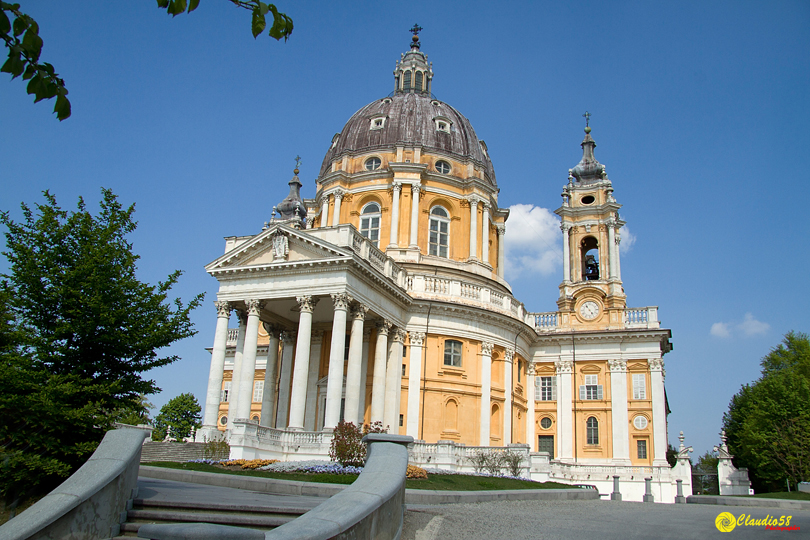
768, 421
20, 32
181, 414
78, 331
704, 475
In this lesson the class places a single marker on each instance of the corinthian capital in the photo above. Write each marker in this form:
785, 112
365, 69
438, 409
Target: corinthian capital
508, 354
399, 335
530, 370
383, 327
617, 365
396, 186
564, 367
501, 229
306, 304
359, 312
656, 364
223, 308
486, 348
341, 301
254, 307
339, 193
415, 189
417, 338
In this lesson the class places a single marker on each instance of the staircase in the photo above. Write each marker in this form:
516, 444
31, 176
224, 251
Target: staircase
254, 517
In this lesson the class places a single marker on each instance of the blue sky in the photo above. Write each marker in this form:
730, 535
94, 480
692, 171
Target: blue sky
698, 109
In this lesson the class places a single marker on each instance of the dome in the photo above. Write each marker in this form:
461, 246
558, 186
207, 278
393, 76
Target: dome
411, 120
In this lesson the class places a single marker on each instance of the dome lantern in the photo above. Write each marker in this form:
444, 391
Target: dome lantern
413, 73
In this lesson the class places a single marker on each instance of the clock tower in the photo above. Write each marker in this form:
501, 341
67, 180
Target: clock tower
591, 292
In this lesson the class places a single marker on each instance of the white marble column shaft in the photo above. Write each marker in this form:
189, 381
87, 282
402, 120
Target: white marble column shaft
310, 418
254, 308
236, 374
325, 211
508, 370
270, 371
396, 188
659, 412
486, 393
393, 382
501, 249
334, 385
611, 250
215, 373
473, 227
378, 376
287, 349
298, 397
618, 405
566, 230
417, 340
364, 374
485, 234
415, 188
355, 366
336, 211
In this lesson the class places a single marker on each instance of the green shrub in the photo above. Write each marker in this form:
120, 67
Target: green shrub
347, 446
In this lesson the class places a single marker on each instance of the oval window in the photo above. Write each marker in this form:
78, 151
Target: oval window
443, 167
640, 422
545, 423
223, 420
587, 199
372, 164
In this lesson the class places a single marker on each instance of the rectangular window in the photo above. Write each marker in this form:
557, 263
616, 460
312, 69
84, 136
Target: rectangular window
401, 419
258, 390
520, 368
226, 391
403, 370
452, 353
591, 389
639, 386
546, 388
641, 446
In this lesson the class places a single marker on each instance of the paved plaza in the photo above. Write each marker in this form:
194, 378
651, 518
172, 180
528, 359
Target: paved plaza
516, 520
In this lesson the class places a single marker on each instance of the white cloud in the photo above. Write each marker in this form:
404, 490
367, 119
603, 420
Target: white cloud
752, 327
533, 241
720, 329
628, 239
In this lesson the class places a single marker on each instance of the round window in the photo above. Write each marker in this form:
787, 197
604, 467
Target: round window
587, 199
545, 423
223, 420
443, 167
372, 164
640, 422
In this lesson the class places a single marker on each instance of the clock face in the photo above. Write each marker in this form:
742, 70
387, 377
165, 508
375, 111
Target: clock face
589, 310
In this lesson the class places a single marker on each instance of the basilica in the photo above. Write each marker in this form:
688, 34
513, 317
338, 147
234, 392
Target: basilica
383, 299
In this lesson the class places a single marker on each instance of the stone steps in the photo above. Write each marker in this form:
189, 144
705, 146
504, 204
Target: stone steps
171, 451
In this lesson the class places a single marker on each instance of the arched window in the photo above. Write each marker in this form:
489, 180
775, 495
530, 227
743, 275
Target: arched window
592, 428
439, 232
495, 421
407, 84
418, 85
452, 353
370, 222
590, 258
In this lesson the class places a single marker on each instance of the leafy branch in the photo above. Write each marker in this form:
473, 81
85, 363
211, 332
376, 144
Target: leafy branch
23, 58
282, 24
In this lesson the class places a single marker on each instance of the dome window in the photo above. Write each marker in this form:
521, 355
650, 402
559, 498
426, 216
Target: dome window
370, 223
443, 167
588, 199
378, 122
406, 84
443, 124
335, 139
418, 81
439, 232
372, 164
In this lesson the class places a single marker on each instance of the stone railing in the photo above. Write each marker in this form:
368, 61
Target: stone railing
89, 503
249, 440
644, 317
371, 507
233, 334
459, 457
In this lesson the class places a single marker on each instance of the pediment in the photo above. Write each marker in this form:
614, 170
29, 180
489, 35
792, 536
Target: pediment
277, 245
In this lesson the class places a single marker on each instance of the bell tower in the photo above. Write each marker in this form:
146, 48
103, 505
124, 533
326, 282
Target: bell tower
591, 292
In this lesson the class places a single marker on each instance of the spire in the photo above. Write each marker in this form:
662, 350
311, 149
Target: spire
588, 169
413, 73
293, 206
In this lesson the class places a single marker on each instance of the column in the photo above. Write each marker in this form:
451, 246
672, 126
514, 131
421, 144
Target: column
324, 211
501, 249
473, 227
212, 396
531, 437
611, 248
659, 413
565, 423
378, 377
414, 382
270, 370
298, 397
236, 374
618, 404
415, 188
288, 340
312, 382
486, 392
396, 189
254, 308
393, 382
485, 234
618, 254
355, 365
566, 229
508, 369
364, 374
334, 385
336, 211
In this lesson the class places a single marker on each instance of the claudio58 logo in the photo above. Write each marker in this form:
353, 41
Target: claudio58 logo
726, 522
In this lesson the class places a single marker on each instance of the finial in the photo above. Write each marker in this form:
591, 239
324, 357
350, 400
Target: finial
416, 29
587, 117
297, 164
415, 39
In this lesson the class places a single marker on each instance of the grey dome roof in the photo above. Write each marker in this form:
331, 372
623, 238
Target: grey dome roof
410, 120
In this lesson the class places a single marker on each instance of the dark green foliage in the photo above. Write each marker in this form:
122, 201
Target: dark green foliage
704, 475
181, 414
672, 455
347, 446
768, 421
23, 58
282, 24
78, 330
